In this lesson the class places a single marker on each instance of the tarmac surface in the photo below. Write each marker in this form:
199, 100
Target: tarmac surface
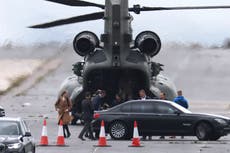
35, 102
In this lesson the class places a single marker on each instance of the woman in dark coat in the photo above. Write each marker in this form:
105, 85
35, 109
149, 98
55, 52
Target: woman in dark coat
63, 106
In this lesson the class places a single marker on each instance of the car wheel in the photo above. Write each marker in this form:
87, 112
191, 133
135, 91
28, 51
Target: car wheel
203, 131
118, 130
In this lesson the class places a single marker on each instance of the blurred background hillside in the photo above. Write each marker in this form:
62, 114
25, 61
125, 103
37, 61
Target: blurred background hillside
196, 43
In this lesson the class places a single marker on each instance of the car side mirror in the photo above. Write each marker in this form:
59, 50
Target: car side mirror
21, 139
27, 134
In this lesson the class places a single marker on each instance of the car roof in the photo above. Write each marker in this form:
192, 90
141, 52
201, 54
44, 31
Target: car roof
10, 119
160, 101
138, 101
150, 100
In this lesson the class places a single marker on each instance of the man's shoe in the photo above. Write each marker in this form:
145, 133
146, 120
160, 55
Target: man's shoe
143, 138
81, 138
92, 138
86, 135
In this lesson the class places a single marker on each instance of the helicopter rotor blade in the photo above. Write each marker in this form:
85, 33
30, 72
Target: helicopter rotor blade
82, 18
77, 3
137, 9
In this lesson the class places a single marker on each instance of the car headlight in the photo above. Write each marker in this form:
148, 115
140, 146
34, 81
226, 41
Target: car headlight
221, 121
14, 146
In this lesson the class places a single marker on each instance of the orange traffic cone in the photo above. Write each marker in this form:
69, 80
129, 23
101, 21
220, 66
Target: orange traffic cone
60, 138
136, 139
44, 137
102, 139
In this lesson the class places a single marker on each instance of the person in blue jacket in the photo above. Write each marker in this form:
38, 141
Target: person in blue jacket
181, 100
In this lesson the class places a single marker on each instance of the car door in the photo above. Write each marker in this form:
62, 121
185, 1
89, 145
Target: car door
170, 119
141, 111
152, 119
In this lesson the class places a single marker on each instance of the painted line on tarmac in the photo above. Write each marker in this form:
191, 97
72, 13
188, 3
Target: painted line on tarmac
51, 146
95, 150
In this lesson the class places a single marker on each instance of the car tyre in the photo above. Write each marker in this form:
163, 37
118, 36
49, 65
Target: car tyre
118, 130
203, 131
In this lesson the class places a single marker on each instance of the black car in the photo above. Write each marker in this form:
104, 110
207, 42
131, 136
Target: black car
2, 111
159, 117
16, 136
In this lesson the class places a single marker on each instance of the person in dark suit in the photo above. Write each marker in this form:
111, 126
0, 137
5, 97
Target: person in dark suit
87, 116
118, 100
98, 100
162, 97
143, 96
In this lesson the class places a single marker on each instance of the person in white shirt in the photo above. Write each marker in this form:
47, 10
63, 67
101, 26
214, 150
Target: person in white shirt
143, 96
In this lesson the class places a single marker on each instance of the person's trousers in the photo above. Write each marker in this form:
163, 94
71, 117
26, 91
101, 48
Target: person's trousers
66, 129
87, 128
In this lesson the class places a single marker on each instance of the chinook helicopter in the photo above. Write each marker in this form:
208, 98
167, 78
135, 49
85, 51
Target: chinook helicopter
116, 63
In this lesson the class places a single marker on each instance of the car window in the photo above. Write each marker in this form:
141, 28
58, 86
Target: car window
142, 107
9, 128
182, 109
126, 107
164, 108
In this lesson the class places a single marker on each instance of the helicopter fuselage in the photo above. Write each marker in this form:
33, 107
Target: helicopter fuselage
118, 65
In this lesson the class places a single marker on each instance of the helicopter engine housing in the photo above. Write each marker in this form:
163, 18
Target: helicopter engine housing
148, 43
85, 42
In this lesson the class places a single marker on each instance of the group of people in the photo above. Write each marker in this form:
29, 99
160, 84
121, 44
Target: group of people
99, 101
180, 100
89, 105
64, 106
